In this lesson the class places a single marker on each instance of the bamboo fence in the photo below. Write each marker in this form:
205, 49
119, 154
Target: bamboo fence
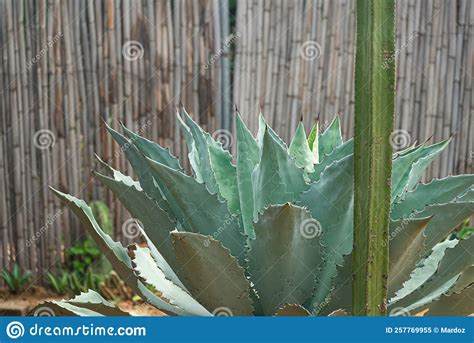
67, 66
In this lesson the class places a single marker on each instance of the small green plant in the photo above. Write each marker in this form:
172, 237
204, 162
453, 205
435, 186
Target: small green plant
74, 282
272, 234
15, 279
466, 230
59, 283
82, 255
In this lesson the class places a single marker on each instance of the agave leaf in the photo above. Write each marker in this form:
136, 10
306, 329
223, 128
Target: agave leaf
406, 249
425, 269
114, 252
138, 163
193, 154
264, 128
95, 302
63, 308
419, 167
436, 192
457, 304
423, 301
247, 158
155, 221
147, 269
330, 201
465, 280
284, 256
200, 211
330, 139
153, 150
214, 276
300, 151
446, 218
90, 303
203, 163
408, 168
340, 295
342, 151
225, 174
141, 168
454, 262
313, 142
116, 174
276, 179
289, 310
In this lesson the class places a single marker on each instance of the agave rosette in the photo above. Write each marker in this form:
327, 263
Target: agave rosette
272, 234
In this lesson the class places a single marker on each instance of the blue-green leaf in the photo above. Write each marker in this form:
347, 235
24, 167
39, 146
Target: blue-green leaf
153, 150
214, 276
436, 192
276, 179
115, 253
146, 268
198, 210
330, 139
155, 221
408, 168
248, 154
284, 256
330, 201
300, 150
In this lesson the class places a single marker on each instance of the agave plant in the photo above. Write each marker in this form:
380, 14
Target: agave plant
272, 234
